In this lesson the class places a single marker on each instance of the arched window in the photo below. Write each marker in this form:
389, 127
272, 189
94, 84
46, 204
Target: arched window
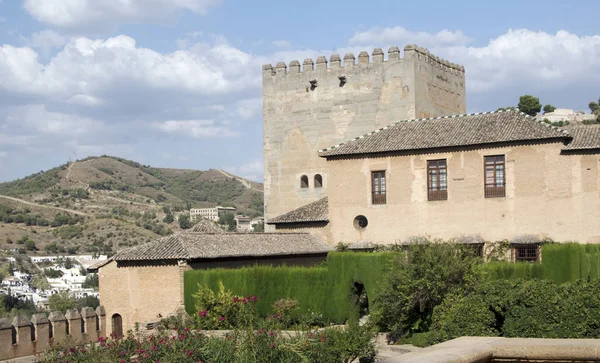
117, 326
304, 182
318, 181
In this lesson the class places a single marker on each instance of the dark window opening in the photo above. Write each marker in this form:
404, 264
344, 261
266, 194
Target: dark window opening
360, 222
437, 180
117, 326
526, 252
304, 182
33, 332
318, 181
495, 176
378, 187
475, 248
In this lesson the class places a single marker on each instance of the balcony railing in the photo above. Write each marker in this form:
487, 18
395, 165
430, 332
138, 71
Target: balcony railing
379, 198
495, 191
437, 194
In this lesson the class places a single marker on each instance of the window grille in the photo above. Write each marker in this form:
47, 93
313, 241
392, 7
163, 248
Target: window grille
378, 187
437, 180
495, 177
526, 252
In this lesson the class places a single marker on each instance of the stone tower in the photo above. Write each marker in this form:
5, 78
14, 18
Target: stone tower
315, 106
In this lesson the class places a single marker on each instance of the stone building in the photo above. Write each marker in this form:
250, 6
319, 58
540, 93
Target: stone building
497, 175
144, 283
312, 107
212, 214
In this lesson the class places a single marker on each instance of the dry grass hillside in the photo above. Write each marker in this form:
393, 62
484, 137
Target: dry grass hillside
101, 204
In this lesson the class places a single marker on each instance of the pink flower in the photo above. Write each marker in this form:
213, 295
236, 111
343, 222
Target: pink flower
253, 298
222, 318
236, 299
203, 313
245, 301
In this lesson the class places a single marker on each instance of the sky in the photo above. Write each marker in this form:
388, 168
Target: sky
177, 83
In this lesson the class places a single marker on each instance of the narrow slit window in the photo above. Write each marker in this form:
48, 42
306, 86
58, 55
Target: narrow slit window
495, 176
378, 187
437, 180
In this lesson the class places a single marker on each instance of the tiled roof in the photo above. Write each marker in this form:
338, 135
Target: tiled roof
317, 211
191, 246
585, 137
207, 226
99, 264
449, 131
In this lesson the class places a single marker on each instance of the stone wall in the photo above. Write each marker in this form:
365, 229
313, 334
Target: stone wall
315, 106
23, 337
548, 193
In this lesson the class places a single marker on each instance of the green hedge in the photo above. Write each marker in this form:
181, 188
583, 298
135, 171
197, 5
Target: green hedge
561, 263
518, 308
326, 290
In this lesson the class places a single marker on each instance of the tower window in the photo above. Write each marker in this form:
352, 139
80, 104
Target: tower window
318, 181
304, 182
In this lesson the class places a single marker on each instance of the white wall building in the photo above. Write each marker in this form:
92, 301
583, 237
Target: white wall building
211, 213
565, 114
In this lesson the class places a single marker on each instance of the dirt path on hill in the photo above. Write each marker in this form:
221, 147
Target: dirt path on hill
244, 182
44, 206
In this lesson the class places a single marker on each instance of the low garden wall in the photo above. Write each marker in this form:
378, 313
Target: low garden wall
24, 337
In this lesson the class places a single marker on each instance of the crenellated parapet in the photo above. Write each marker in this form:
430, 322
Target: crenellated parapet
23, 337
412, 53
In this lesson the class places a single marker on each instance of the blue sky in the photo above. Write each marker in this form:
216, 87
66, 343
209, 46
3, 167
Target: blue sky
177, 83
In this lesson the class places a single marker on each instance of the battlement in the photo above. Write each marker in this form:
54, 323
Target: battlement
23, 337
412, 52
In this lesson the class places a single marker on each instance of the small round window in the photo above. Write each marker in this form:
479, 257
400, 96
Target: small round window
360, 222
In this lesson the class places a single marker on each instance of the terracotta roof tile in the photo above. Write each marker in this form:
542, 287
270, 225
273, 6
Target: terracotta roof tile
317, 211
207, 226
449, 131
191, 246
585, 137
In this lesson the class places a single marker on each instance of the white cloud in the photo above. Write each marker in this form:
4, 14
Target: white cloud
399, 35
194, 128
94, 14
251, 170
524, 58
45, 40
282, 43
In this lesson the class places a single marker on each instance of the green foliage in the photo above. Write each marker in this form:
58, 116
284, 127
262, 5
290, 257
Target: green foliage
518, 308
594, 106
549, 108
592, 122
40, 282
30, 245
68, 232
419, 282
12, 306
32, 184
228, 219
556, 123
11, 215
327, 290
184, 221
52, 273
510, 108
565, 262
529, 105
168, 218
63, 301
259, 227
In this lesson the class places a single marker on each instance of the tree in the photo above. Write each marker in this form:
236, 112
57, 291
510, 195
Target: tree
68, 263
594, 106
184, 221
506, 108
529, 105
9, 241
30, 245
549, 108
168, 218
62, 301
228, 220
91, 282
259, 227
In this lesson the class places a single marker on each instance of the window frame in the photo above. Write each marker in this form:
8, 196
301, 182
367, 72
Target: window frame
438, 192
518, 256
318, 181
378, 187
494, 190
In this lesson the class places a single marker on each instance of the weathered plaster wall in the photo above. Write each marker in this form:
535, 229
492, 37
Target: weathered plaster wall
301, 118
319, 229
547, 193
139, 293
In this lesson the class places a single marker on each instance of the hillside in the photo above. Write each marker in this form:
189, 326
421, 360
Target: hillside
100, 204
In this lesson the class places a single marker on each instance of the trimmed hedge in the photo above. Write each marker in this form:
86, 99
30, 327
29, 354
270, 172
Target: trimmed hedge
561, 263
326, 290
518, 308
